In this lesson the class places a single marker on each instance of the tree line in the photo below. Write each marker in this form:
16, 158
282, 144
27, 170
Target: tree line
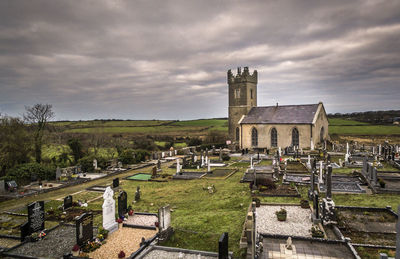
373, 117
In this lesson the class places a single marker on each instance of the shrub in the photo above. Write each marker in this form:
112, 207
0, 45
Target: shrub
195, 142
127, 157
87, 163
24, 173
225, 157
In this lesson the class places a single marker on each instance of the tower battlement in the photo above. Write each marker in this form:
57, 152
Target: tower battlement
244, 76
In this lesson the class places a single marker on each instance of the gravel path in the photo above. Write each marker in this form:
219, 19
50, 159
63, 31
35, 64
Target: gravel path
142, 220
298, 222
124, 239
161, 254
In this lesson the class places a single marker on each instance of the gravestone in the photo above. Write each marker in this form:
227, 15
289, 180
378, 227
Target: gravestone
154, 172
159, 164
220, 154
109, 222
164, 216
58, 173
316, 218
119, 164
2, 186
329, 183
115, 182
25, 231
95, 164
67, 202
137, 194
36, 216
122, 204
84, 228
223, 252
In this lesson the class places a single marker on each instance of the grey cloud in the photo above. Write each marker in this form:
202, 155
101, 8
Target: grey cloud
168, 59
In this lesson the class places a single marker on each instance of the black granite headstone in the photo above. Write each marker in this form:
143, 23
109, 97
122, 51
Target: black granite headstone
122, 203
329, 183
84, 228
67, 202
115, 182
223, 246
36, 216
25, 231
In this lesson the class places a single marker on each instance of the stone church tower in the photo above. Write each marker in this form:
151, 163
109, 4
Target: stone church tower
242, 97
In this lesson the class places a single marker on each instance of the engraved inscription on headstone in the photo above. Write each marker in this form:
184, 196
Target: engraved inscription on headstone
36, 216
67, 202
84, 228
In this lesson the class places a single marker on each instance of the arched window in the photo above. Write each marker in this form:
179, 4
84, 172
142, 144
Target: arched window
237, 134
254, 137
274, 138
321, 135
295, 137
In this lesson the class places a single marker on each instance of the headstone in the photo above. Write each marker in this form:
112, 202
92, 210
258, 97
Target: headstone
223, 252
164, 216
195, 158
220, 154
154, 172
159, 164
109, 222
84, 228
25, 231
329, 183
251, 163
36, 216
95, 164
316, 205
202, 161
170, 153
374, 176
137, 194
122, 204
163, 154
209, 166
178, 166
67, 202
58, 173
320, 179
115, 182
176, 152
2, 187
119, 164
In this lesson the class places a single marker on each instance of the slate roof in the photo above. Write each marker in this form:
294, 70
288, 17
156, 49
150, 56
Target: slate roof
285, 114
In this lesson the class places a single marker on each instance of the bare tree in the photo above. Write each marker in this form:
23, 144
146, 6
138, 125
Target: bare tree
38, 115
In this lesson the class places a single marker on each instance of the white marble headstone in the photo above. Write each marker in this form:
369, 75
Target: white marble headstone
178, 166
109, 222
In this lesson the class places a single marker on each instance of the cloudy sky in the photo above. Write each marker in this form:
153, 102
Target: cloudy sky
168, 59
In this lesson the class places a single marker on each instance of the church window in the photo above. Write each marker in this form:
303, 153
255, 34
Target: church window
237, 93
295, 137
254, 137
321, 135
274, 138
237, 134
251, 93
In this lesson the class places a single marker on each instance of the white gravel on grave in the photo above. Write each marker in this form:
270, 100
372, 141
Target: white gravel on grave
161, 254
298, 221
142, 220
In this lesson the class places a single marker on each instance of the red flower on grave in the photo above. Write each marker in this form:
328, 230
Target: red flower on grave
76, 248
121, 254
157, 224
130, 212
119, 220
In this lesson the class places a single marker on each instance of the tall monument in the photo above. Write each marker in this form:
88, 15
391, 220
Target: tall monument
242, 97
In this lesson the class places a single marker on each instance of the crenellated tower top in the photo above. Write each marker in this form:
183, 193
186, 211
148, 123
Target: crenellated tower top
242, 77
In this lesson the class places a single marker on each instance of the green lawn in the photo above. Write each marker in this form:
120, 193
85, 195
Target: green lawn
365, 130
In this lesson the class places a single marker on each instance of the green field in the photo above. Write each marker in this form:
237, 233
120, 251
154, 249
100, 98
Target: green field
365, 130
344, 122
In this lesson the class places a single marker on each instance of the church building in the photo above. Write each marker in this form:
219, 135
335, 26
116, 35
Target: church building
253, 127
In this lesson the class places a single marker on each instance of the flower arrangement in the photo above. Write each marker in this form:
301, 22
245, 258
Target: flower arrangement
130, 212
157, 224
316, 232
119, 220
91, 246
75, 250
121, 254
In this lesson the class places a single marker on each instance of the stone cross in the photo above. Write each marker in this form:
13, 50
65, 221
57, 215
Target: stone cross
208, 166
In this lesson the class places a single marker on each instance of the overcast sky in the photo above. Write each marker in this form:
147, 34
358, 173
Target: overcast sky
168, 59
